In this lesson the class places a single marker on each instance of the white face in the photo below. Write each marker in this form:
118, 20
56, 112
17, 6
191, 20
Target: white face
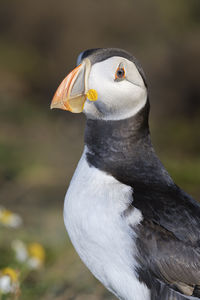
118, 98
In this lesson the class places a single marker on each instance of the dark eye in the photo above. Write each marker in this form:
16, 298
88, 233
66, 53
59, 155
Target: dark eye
120, 73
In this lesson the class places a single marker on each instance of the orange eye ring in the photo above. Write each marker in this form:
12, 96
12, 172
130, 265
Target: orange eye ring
120, 73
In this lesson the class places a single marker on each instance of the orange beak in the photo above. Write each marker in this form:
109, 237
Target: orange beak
72, 92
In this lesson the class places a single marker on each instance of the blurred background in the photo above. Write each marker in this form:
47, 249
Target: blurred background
40, 148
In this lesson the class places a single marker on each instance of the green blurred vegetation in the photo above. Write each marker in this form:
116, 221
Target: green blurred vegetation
39, 148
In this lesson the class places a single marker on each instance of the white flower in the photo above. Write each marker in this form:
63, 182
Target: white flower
5, 284
34, 263
32, 254
36, 255
9, 219
8, 281
20, 249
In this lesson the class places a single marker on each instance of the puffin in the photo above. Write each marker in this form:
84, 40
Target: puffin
132, 226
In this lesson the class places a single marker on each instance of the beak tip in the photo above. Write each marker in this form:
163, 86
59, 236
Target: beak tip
59, 105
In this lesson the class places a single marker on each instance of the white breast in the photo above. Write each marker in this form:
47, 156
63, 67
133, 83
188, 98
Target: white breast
93, 215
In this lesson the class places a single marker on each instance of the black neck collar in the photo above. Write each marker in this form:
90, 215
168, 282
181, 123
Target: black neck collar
124, 150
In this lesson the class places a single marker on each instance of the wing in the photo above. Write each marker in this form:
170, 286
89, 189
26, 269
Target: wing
171, 208
168, 242
162, 256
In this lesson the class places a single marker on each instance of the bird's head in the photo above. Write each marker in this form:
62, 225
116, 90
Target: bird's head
107, 84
